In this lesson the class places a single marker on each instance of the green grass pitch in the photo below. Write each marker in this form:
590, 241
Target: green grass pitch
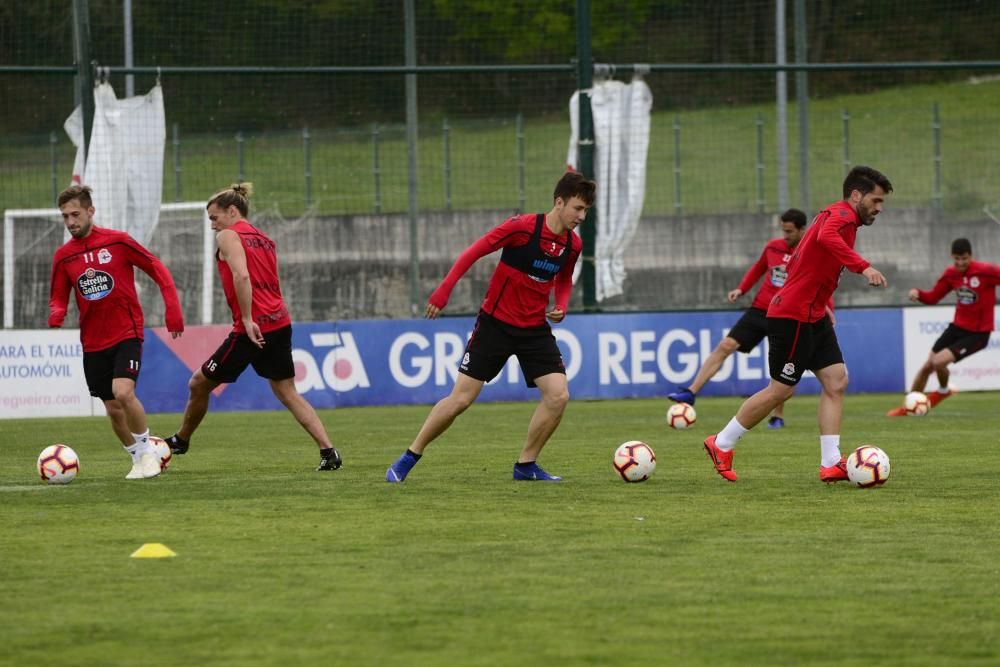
280, 565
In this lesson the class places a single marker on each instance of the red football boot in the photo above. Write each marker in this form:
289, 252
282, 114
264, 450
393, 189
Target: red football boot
723, 460
837, 473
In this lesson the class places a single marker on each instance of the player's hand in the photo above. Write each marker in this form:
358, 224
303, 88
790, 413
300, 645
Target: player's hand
875, 277
432, 311
556, 315
253, 333
734, 294
913, 295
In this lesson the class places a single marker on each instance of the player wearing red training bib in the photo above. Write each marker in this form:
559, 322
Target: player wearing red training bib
98, 265
801, 334
751, 328
974, 284
262, 328
538, 253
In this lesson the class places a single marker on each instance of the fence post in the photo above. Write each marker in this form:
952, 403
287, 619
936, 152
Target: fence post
239, 157
760, 163
306, 137
445, 132
585, 148
376, 168
846, 117
521, 197
55, 170
176, 143
678, 207
936, 127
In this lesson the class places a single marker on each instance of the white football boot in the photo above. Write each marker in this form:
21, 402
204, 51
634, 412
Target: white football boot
149, 465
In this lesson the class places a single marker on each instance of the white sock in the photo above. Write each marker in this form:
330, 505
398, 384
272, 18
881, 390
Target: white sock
142, 442
944, 390
135, 450
829, 450
728, 437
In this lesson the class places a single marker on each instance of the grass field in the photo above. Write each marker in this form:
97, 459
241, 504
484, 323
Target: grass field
280, 565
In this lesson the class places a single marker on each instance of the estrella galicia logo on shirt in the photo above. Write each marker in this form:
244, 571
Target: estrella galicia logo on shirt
966, 296
779, 274
94, 285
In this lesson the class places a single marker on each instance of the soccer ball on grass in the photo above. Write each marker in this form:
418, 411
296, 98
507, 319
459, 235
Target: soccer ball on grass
634, 461
162, 451
867, 466
681, 416
916, 404
58, 464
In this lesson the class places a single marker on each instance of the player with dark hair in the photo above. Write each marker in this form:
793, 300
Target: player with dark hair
262, 328
799, 330
539, 253
751, 328
974, 283
99, 265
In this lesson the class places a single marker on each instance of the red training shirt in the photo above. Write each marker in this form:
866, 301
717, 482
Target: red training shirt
820, 257
773, 261
267, 306
976, 291
101, 269
514, 297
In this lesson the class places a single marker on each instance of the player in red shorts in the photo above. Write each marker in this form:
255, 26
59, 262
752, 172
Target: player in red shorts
799, 330
99, 264
539, 253
974, 283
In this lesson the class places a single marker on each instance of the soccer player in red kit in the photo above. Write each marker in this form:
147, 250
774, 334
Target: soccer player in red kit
262, 328
799, 330
975, 285
751, 328
539, 253
99, 266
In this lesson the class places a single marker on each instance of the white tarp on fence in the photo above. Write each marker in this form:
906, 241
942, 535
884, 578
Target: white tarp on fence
621, 134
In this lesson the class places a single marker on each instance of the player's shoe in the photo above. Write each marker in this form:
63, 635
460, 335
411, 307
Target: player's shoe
531, 472
723, 461
329, 459
896, 412
835, 473
936, 397
177, 444
136, 471
398, 471
776, 422
682, 395
149, 463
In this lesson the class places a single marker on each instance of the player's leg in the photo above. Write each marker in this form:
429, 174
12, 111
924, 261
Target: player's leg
554, 389
827, 362
118, 424
777, 419
305, 414
225, 365
441, 416
713, 362
966, 344
923, 373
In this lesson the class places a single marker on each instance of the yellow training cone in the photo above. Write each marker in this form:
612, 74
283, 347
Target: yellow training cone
153, 550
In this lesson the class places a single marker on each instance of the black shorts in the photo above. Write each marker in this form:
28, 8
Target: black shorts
119, 361
800, 346
493, 342
750, 329
273, 362
961, 342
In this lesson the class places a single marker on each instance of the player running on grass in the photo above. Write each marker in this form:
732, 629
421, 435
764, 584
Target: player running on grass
539, 253
262, 328
799, 330
751, 328
975, 285
99, 266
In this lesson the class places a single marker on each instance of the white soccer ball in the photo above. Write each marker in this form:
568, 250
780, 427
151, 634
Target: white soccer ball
162, 451
868, 466
634, 461
58, 464
916, 404
681, 415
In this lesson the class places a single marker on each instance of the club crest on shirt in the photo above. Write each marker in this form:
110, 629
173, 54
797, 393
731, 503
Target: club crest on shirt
974, 281
103, 256
94, 285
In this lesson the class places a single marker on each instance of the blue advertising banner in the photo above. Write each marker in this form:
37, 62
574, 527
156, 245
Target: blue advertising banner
386, 362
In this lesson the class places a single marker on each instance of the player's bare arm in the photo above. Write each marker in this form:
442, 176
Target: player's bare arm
232, 251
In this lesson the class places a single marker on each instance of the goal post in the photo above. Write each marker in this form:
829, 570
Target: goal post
183, 239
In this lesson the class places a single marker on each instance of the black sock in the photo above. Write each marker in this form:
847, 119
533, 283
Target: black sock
526, 464
416, 457
179, 439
